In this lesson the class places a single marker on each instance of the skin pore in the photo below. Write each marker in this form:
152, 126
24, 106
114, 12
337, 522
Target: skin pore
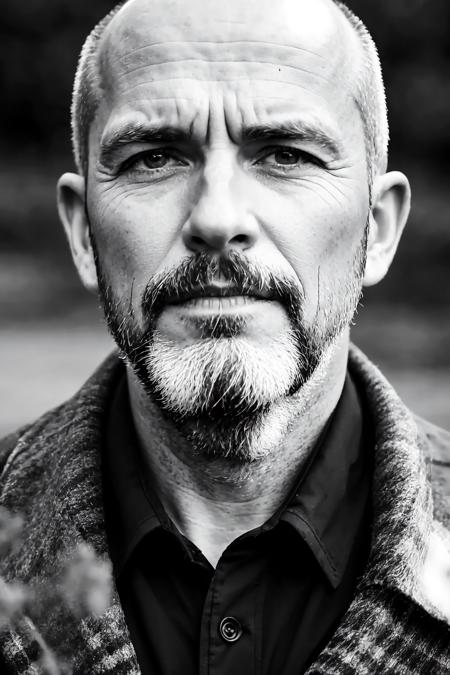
249, 141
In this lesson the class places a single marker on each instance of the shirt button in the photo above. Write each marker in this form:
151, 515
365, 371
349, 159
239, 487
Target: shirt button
230, 629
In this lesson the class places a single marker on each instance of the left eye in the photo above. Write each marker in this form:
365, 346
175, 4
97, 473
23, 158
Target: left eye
286, 157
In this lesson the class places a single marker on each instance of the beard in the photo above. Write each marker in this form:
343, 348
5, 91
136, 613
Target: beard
220, 391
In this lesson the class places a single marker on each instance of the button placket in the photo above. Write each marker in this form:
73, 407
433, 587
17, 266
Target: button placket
227, 641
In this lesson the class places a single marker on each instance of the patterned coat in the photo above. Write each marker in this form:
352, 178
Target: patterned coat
399, 619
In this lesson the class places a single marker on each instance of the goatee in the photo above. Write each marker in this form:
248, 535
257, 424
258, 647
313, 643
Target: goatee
219, 391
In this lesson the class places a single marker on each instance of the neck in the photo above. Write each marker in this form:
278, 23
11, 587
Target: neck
212, 499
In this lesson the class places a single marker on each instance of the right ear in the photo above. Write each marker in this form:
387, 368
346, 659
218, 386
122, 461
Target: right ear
72, 212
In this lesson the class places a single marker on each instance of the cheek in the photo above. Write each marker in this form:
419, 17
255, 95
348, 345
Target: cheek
319, 238
307, 229
134, 235
343, 238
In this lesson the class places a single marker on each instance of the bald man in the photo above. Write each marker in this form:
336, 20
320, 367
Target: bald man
268, 503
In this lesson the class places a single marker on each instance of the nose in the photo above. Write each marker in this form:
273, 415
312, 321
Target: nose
220, 218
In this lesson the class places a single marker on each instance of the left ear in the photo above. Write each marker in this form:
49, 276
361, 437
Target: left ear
391, 201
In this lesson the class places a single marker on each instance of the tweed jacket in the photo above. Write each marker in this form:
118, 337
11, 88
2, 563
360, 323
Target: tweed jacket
398, 621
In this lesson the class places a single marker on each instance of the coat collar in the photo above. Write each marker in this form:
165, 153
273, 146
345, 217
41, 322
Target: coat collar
402, 503
410, 550
53, 478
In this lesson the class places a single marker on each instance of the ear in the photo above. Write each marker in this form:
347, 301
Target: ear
391, 200
72, 212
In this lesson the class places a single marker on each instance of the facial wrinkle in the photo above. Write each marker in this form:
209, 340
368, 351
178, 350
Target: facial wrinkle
228, 43
209, 62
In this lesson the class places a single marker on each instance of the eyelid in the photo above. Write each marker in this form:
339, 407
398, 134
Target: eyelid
270, 150
133, 159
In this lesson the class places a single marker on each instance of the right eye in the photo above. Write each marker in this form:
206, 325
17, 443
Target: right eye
153, 161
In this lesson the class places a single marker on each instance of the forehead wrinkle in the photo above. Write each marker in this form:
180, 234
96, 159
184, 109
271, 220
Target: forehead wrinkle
249, 110
133, 60
247, 96
140, 20
121, 53
134, 28
139, 17
333, 40
221, 61
214, 45
208, 80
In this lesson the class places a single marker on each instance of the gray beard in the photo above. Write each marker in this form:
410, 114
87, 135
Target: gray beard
233, 441
228, 408
219, 393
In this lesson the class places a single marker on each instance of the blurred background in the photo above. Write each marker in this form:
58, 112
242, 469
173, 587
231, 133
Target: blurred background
51, 331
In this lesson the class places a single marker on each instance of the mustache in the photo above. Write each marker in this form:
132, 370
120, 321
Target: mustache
196, 276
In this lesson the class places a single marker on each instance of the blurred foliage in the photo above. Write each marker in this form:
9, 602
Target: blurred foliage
50, 609
39, 45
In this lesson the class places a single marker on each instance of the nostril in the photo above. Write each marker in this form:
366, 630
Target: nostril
215, 238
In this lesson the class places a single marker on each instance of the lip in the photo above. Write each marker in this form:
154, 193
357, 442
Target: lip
224, 305
218, 292
221, 303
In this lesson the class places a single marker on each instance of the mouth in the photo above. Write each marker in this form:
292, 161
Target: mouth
221, 304
215, 299
217, 295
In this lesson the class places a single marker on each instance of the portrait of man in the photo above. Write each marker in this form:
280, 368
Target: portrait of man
268, 503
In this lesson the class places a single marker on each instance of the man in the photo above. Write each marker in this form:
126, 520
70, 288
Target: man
268, 503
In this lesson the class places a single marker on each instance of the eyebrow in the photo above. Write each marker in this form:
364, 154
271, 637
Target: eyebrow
133, 132
294, 130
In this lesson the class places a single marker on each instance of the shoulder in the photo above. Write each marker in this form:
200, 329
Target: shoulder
8, 444
77, 414
436, 442
436, 572
20, 443
435, 580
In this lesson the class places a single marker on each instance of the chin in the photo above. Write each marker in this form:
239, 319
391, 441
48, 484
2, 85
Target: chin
236, 444
215, 379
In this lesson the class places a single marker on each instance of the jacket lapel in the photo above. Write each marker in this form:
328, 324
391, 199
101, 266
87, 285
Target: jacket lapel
384, 627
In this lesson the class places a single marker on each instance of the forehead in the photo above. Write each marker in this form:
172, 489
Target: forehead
254, 59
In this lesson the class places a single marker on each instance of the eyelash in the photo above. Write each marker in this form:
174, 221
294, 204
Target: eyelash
303, 156
131, 163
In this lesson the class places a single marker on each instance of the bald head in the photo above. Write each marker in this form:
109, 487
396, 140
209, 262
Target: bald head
296, 29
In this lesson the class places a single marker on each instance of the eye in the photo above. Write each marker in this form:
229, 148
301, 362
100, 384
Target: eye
154, 161
284, 158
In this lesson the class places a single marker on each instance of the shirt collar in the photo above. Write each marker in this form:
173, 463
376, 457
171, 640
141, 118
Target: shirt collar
331, 497
129, 512
324, 508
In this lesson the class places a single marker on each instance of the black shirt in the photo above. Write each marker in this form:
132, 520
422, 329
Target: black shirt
277, 592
